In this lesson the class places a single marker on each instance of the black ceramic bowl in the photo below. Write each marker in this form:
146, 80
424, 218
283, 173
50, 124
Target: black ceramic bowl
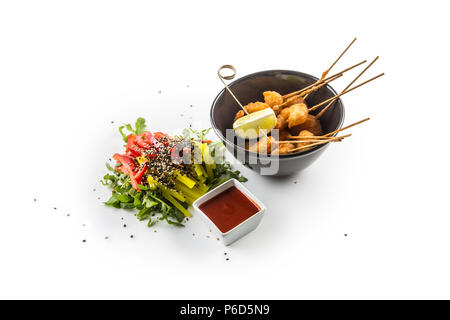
249, 89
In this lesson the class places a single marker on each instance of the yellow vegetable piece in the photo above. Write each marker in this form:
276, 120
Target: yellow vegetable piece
173, 193
152, 183
193, 193
207, 156
198, 171
186, 180
176, 204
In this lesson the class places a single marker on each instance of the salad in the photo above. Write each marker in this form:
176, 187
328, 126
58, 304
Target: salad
161, 175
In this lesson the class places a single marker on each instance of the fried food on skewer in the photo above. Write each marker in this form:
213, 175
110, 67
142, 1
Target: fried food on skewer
272, 98
298, 114
263, 145
311, 124
251, 107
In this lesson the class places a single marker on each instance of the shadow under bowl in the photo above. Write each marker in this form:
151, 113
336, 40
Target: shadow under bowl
249, 89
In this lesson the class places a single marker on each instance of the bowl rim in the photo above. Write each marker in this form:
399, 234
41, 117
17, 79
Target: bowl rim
260, 155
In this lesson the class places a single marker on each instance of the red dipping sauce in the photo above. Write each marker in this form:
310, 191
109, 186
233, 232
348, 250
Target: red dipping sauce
229, 209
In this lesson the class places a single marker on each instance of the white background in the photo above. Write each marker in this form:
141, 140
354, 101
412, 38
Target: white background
69, 68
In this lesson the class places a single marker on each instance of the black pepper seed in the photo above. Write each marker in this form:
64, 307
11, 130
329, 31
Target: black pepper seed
34, 200
54, 208
345, 234
112, 121
131, 236
84, 241
159, 91
124, 225
227, 259
225, 253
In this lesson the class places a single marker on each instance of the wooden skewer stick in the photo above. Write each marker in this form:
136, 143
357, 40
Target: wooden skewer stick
315, 83
307, 137
324, 74
349, 126
348, 86
304, 141
312, 89
341, 94
319, 143
334, 63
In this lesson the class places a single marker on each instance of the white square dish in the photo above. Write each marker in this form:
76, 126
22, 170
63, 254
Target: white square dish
241, 229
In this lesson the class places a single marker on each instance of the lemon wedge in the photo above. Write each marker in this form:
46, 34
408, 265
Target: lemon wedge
255, 124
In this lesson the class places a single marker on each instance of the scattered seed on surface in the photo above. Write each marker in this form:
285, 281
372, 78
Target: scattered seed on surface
193, 234
84, 241
124, 225
345, 234
131, 236
54, 208
295, 182
217, 239
68, 214
207, 236
154, 230
121, 218
159, 91
106, 238
225, 253
84, 225
227, 259
98, 198
35, 200
112, 121
93, 190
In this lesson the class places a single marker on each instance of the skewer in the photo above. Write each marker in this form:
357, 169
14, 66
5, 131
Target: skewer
349, 126
312, 89
324, 74
303, 141
230, 77
286, 96
307, 137
334, 63
348, 86
341, 94
319, 143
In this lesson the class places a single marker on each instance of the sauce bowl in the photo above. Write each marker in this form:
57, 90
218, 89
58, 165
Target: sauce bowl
242, 228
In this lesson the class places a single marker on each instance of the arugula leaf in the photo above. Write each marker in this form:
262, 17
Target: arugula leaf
124, 136
140, 126
108, 166
112, 200
124, 198
127, 205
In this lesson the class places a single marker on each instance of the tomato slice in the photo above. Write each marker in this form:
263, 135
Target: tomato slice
146, 144
153, 140
132, 148
128, 167
140, 174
